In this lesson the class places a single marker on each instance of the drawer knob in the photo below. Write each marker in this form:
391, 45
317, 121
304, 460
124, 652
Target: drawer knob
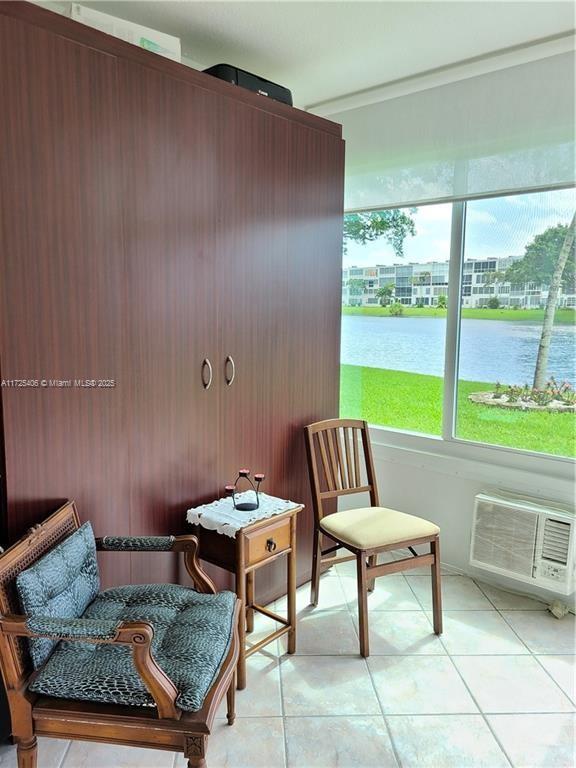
271, 545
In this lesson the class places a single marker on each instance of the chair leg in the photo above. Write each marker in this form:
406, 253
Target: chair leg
197, 762
372, 560
249, 602
316, 561
195, 751
436, 587
362, 604
231, 701
27, 753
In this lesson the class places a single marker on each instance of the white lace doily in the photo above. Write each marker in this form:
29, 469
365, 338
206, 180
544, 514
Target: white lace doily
221, 516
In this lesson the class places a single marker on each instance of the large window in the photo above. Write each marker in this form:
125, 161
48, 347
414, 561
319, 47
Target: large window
495, 387
393, 342
509, 392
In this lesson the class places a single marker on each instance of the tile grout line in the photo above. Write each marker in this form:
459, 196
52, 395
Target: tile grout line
386, 723
65, 755
384, 716
282, 708
480, 711
485, 719
530, 651
535, 657
571, 699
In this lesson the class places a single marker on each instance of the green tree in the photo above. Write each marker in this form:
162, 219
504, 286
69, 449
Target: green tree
494, 277
393, 225
422, 278
493, 302
564, 260
385, 294
540, 259
548, 260
442, 301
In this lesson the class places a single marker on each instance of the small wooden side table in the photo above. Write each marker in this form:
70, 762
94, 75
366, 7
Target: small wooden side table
255, 546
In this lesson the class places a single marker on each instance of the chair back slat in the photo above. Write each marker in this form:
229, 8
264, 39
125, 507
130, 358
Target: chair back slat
336, 467
325, 463
339, 456
333, 460
349, 470
356, 457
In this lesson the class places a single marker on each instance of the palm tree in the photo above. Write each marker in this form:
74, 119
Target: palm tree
494, 277
422, 278
550, 310
385, 294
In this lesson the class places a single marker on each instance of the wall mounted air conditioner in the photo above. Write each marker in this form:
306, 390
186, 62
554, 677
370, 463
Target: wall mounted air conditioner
527, 539
150, 39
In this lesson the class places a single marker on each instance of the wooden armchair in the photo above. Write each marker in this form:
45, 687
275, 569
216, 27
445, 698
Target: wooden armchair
338, 468
162, 718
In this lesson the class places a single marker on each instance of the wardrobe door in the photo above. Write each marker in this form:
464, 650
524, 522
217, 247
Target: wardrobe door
252, 289
61, 290
312, 347
173, 213
279, 261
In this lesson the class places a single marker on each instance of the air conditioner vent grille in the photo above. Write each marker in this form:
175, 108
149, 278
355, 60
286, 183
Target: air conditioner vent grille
556, 541
504, 537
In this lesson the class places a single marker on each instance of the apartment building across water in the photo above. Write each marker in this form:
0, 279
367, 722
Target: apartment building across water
423, 284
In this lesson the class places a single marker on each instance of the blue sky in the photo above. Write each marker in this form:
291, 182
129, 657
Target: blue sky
500, 226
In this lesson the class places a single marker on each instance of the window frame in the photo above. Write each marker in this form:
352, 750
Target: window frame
448, 445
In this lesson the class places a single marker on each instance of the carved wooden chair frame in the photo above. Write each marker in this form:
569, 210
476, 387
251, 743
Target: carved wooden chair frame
162, 727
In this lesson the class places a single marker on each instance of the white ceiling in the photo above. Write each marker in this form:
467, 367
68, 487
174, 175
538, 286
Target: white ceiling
324, 50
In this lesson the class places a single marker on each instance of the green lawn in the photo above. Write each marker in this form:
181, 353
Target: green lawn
414, 402
563, 316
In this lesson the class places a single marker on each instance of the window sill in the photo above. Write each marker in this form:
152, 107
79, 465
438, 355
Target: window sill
461, 457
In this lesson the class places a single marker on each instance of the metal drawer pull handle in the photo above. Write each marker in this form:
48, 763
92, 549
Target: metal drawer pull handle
229, 362
271, 545
206, 366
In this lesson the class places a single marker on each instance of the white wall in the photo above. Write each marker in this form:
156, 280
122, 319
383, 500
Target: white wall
438, 481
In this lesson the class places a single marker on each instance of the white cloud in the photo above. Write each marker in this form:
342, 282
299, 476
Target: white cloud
480, 217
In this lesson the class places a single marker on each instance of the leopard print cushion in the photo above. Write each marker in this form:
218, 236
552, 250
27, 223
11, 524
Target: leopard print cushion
60, 584
192, 635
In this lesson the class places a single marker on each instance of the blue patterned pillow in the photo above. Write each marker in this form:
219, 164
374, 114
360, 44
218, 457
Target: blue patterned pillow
61, 584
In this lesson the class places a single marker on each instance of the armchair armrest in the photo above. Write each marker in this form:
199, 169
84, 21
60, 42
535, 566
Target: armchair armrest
137, 634
135, 543
187, 544
93, 630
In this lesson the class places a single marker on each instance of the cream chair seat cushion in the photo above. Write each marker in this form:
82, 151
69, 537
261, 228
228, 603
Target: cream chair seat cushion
374, 527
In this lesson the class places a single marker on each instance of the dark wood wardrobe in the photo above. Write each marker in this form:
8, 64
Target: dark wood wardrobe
156, 222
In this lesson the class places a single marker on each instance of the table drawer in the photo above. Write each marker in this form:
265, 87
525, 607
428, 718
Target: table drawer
266, 542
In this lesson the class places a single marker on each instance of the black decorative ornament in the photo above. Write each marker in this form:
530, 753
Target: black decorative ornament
232, 490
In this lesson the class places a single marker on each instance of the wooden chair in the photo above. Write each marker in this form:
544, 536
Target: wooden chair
336, 469
160, 725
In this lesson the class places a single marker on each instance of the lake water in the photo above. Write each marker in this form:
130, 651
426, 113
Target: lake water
490, 350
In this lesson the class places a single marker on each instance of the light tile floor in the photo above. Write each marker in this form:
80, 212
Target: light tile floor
497, 689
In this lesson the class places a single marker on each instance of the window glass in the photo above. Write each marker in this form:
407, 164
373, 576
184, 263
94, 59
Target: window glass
509, 393
394, 327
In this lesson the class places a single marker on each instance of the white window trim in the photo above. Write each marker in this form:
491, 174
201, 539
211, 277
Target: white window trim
425, 450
